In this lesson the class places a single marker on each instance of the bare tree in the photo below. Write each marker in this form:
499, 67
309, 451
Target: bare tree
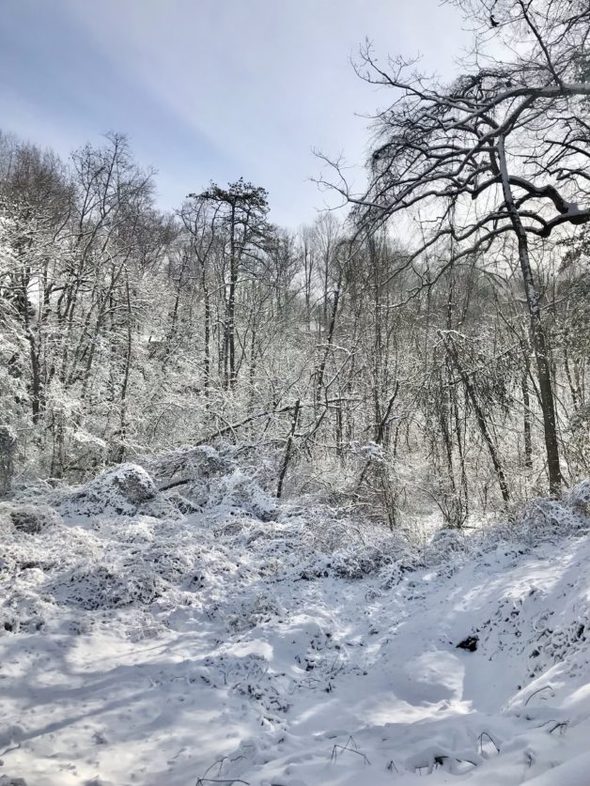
500, 153
241, 213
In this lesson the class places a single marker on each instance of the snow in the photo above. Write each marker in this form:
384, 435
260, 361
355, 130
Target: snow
212, 646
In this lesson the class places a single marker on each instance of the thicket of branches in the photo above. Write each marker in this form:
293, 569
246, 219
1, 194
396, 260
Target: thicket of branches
446, 367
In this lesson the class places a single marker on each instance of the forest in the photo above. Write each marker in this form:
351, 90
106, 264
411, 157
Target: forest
425, 345
303, 506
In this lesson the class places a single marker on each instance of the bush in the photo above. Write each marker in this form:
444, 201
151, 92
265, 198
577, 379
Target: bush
125, 490
31, 519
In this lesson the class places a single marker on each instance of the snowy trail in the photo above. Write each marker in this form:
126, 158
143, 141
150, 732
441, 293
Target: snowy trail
129, 714
267, 671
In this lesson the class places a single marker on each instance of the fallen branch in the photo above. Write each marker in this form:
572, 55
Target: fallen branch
490, 738
230, 781
267, 413
539, 690
342, 748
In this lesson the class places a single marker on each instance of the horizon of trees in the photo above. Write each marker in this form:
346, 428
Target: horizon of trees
446, 366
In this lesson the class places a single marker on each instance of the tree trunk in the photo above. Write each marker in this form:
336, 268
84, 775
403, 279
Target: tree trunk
538, 337
527, 431
288, 448
479, 416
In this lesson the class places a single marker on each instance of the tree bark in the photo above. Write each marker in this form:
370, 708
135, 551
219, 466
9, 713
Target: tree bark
538, 337
479, 416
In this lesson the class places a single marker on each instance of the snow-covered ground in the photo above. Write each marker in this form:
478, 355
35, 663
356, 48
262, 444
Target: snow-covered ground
186, 640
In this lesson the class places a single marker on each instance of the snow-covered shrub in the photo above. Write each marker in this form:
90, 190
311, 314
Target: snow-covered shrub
253, 611
125, 490
543, 518
261, 463
327, 529
358, 563
182, 504
445, 546
175, 566
201, 477
23, 611
240, 492
29, 518
382, 550
177, 467
578, 498
558, 641
102, 587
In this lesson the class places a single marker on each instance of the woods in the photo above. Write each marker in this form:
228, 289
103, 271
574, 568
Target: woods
429, 346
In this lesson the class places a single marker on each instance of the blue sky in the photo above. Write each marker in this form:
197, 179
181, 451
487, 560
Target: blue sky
211, 89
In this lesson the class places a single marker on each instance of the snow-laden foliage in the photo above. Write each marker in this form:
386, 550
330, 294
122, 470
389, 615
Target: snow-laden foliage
125, 331
125, 490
